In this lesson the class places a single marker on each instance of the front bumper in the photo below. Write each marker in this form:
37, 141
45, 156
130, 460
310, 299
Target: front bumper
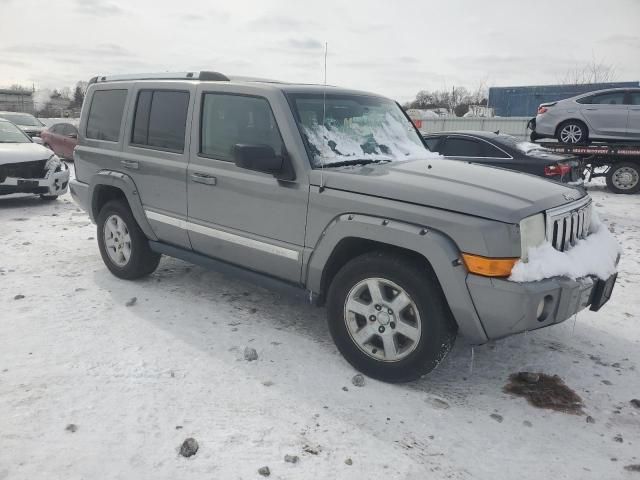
54, 183
506, 308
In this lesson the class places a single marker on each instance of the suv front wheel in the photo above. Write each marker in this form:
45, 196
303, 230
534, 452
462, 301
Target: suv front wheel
123, 245
388, 317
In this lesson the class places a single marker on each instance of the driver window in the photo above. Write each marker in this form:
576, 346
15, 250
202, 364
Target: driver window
231, 119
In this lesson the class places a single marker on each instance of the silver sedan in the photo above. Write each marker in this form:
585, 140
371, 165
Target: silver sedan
607, 115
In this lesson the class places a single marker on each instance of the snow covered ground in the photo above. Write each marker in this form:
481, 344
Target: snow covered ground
137, 380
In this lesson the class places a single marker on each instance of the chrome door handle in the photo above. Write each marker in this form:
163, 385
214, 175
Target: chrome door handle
203, 178
130, 164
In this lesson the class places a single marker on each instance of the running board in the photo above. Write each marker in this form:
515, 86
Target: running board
262, 280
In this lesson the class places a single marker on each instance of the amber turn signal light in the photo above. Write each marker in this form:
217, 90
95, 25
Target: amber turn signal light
489, 267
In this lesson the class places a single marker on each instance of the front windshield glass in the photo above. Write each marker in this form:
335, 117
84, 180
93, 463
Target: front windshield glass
9, 133
22, 119
344, 129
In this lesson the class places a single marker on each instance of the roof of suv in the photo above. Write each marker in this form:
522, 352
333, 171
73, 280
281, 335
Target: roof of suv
216, 77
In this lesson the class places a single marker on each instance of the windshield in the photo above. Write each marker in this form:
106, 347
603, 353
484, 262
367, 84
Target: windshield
9, 133
22, 119
343, 129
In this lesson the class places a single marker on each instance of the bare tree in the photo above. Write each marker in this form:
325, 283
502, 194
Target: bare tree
592, 72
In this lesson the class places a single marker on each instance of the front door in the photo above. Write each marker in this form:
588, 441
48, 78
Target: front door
606, 114
633, 125
236, 215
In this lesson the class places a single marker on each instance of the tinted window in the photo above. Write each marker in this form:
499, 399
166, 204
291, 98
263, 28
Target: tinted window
57, 129
432, 143
613, 98
160, 120
491, 151
462, 147
105, 114
231, 119
635, 98
66, 129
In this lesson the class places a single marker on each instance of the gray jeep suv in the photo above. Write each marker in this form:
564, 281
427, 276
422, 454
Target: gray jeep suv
329, 192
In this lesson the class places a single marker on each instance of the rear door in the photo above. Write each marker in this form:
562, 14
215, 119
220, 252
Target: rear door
633, 123
606, 113
236, 215
156, 151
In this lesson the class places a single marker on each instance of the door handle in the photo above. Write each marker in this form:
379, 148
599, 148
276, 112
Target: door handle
203, 178
130, 164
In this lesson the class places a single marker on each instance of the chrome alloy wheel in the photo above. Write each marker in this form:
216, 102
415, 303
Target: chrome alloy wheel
625, 178
382, 319
571, 133
117, 240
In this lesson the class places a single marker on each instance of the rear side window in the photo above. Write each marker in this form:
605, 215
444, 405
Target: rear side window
231, 119
635, 98
492, 151
160, 119
105, 115
462, 147
613, 98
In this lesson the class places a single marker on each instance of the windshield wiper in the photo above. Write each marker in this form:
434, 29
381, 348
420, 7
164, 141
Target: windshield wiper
361, 161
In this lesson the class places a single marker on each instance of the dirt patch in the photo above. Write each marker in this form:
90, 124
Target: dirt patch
545, 391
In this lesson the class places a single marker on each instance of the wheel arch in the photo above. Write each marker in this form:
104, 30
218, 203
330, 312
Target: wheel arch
573, 119
349, 236
108, 185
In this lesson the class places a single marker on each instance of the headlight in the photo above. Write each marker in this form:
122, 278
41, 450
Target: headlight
532, 234
53, 163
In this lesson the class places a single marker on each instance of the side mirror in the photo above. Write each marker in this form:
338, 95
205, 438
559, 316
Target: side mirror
260, 158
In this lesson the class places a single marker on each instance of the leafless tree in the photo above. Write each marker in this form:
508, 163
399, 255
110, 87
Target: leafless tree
592, 72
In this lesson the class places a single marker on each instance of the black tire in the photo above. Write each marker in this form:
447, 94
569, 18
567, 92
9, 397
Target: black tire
48, 198
142, 260
578, 126
438, 329
619, 172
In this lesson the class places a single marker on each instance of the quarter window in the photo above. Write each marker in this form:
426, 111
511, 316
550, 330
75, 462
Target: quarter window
228, 120
635, 98
105, 115
160, 119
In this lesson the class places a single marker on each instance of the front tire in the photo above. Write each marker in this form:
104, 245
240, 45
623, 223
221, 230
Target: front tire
123, 245
624, 178
572, 132
388, 317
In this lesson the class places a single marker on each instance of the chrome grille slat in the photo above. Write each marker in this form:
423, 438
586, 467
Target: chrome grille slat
568, 224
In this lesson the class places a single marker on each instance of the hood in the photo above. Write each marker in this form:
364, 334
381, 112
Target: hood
478, 190
23, 152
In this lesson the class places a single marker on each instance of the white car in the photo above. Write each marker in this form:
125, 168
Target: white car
27, 167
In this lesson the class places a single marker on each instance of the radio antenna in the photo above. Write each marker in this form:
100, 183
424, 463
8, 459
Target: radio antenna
324, 111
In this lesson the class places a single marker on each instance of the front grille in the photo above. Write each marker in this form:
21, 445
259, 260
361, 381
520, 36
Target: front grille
569, 223
33, 169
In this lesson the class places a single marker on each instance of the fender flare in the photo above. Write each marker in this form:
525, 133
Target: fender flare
127, 186
437, 248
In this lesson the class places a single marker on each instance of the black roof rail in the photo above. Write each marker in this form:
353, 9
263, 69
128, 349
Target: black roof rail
208, 76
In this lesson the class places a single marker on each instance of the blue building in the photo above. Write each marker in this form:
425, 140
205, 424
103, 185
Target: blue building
524, 101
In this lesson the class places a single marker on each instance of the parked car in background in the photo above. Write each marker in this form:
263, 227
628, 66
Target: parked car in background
612, 114
506, 151
62, 138
27, 122
27, 167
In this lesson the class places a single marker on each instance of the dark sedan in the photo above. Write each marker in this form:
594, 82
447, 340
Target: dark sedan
506, 151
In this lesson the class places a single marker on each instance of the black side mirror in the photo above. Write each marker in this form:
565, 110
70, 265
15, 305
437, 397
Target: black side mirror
262, 158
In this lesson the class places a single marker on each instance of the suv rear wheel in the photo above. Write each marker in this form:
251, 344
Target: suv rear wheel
123, 246
388, 317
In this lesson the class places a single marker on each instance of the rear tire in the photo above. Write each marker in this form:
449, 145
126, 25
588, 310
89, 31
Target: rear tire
572, 132
123, 245
624, 178
373, 339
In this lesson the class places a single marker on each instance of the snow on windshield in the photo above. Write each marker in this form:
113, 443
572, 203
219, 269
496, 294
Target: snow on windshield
358, 128
595, 255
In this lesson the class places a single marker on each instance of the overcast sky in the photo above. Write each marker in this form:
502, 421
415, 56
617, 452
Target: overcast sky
393, 47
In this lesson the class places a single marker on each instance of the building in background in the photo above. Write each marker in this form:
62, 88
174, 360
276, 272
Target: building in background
13, 100
524, 101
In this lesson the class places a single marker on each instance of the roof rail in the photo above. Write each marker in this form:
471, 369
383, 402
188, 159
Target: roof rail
202, 75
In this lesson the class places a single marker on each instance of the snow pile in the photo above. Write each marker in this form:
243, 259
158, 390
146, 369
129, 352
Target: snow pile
595, 255
387, 138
